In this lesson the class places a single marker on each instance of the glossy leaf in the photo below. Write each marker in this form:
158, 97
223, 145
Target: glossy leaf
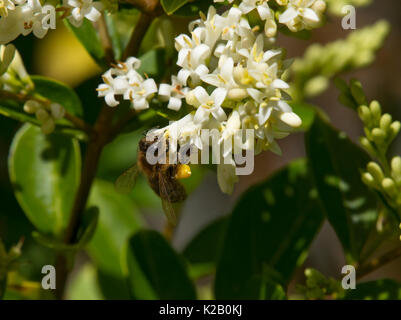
336, 164
385, 289
44, 171
155, 271
58, 92
170, 6
87, 35
268, 235
118, 219
206, 246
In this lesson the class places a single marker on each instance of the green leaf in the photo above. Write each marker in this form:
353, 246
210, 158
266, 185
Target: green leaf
206, 246
170, 6
118, 219
268, 236
336, 165
85, 233
192, 8
58, 92
155, 270
385, 289
306, 112
87, 35
153, 63
45, 171
84, 285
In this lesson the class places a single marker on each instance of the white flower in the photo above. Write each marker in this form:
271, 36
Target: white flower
223, 78
302, 14
111, 87
206, 28
229, 23
140, 91
173, 93
192, 55
265, 14
123, 79
209, 104
24, 19
83, 9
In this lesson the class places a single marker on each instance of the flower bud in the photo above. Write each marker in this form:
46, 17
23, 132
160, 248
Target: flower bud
31, 106
57, 111
396, 169
270, 28
376, 111
48, 126
376, 172
385, 122
365, 115
237, 94
368, 179
291, 119
379, 136
191, 99
389, 187
319, 6
367, 145
42, 115
357, 92
394, 129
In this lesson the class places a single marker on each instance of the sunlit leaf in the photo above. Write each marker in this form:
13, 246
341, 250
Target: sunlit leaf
155, 271
44, 171
268, 235
336, 164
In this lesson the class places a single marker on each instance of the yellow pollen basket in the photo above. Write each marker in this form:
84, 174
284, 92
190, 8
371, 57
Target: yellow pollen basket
183, 172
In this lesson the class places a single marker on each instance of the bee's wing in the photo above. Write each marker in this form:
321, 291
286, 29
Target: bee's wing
126, 182
166, 203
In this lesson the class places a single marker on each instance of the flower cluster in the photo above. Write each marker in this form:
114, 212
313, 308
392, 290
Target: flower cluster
230, 75
381, 130
302, 14
123, 79
30, 16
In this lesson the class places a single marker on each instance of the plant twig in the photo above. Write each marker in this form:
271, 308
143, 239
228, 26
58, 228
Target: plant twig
132, 49
77, 122
105, 39
377, 263
102, 134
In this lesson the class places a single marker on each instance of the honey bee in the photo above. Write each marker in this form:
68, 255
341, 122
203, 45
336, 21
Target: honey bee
162, 178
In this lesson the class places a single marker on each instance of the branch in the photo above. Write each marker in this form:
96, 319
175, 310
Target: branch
102, 134
77, 122
146, 6
151, 9
105, 39
378, 262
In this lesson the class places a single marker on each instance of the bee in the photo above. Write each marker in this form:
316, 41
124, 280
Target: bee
162, 178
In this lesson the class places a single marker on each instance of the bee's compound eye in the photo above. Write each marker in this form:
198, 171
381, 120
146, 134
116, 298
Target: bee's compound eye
183, 171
